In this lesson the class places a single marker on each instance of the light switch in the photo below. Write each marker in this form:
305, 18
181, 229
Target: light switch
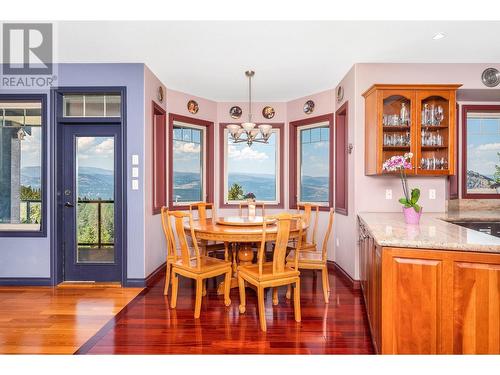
388, 193
135, 184
135, 159
432, 193
135, 172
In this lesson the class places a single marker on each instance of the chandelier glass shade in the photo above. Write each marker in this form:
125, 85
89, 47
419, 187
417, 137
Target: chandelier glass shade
249, 132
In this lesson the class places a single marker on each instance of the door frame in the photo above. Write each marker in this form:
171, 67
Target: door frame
56, 261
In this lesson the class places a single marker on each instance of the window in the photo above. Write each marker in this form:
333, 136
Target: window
91, 105
254, 169
21, 166
481, 152
190, 161
311, 153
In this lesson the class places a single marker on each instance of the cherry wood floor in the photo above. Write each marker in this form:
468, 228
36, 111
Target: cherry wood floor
148, 325
42, 320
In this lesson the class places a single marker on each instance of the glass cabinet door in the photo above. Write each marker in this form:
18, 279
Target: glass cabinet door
435, 120
397, 123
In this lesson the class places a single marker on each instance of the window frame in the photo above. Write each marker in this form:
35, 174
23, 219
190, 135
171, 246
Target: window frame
465, 110
159, 155
208, 178
42, 98
294, 127
342, 169
280, 166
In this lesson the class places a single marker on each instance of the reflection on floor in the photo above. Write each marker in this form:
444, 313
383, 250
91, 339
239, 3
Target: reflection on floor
147, 325
56, 320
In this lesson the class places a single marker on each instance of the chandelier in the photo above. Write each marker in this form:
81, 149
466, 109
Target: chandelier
249, 132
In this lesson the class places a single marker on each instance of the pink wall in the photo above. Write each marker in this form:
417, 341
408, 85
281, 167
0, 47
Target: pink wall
224, 117
154, 246
324, 103
177, 103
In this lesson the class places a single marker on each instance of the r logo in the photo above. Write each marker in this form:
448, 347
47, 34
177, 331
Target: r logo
27, 48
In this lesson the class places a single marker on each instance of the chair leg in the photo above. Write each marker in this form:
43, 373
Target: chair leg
197, 303
227, 288
167, 279
241, 287
226, 251
288, 291
204, 291
275, 296
175, 288
296, 301
262, 309
324, 277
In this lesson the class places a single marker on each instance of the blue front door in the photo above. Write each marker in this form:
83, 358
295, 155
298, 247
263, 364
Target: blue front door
89, 201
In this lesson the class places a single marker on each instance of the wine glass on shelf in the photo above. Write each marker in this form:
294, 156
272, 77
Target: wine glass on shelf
439, 115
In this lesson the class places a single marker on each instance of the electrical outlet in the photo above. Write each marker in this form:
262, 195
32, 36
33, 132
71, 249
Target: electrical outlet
432, 193
388, 193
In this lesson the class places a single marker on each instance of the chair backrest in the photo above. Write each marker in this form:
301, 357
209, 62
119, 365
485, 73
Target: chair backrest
308, 208
166, 229
176, 221
202, 208
249, 206
285, 222
327, 234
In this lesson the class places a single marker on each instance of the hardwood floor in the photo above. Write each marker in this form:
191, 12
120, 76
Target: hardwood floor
148, 325
58, 320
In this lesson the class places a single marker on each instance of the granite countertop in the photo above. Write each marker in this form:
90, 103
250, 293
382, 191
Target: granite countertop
472, 215
433, 232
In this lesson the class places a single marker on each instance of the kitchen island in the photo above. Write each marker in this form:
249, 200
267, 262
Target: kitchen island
429, 288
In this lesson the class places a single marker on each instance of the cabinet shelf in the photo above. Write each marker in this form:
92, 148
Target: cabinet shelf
392, 102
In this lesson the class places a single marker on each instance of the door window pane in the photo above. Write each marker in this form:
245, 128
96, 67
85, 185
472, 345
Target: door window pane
73, 105
95, 191
94, 105
252, 169
188, 163
20, 166
483, 154
314, 166
113, 103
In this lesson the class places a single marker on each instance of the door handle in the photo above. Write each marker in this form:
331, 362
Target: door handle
69, 204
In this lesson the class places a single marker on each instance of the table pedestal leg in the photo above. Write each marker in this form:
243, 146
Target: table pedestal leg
245, 257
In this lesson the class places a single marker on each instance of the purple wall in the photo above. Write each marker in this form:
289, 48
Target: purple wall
30, 257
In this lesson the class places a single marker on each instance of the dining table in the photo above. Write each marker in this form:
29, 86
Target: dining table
240, 233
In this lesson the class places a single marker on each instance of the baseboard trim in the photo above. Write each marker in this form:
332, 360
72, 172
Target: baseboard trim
25, 281
148, 281
334, 267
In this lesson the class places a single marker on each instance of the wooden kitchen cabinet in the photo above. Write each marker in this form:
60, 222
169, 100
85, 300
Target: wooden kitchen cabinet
425, 301
411, 118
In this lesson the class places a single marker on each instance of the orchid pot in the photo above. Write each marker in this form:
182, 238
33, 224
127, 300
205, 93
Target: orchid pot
411, 209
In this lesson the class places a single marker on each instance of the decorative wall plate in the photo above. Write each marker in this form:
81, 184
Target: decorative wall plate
340, 94
192, 107
308, 107
268, 112
160, 94
490, 77
235, 112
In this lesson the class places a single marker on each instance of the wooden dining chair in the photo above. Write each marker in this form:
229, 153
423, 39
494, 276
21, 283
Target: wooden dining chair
308, 210
276, 273
313, 260
202, 208
194, 266
170, 248
247, 207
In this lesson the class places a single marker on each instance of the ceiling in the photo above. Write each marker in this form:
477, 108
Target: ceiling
291, 58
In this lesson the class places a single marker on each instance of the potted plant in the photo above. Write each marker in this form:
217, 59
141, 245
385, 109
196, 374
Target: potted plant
411, 209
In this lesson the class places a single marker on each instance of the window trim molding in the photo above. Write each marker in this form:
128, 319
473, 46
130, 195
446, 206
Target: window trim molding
293, 157
44, 165
342, 111
466, 109
210, 163
281, 179
157, 110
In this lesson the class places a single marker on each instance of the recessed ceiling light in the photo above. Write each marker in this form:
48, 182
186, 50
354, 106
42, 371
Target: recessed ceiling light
438, 36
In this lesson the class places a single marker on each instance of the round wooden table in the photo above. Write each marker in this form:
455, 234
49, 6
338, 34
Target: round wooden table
237, 230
